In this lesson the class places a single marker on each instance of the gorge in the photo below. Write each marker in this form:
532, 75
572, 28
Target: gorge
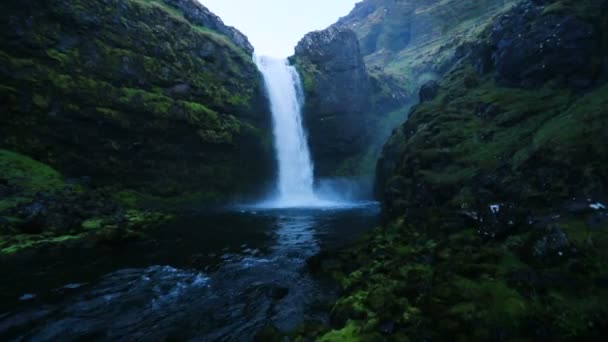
159, 180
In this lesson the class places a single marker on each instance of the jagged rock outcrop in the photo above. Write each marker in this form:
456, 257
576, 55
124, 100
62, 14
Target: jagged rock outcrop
337, 89
153, 96
342, 84
343, 101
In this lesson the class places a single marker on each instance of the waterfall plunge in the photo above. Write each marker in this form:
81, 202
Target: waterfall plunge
295, 183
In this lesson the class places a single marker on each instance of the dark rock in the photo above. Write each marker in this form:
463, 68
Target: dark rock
428, 91
487, 110
526, 278
499, 220
551, 242
33, 209
387, 328
269, 334
597, 221
581, 206
559, 45
338, 96
470, 81
602, 281
180, 90
279, 293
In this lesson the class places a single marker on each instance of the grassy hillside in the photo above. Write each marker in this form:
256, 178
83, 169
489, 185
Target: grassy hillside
495, 195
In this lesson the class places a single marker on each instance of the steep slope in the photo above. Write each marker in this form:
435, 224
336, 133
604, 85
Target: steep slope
357, 93
133, 93
495, 194
127, 104
415, 40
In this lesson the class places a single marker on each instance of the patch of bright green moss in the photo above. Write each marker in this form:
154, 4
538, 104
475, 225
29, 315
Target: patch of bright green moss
20, 243
351, 332
28, 174
92, 224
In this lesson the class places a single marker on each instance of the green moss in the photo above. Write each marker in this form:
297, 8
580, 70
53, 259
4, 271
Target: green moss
20, 243
92, 224
577, 126
494, 300
576, 316
28, 174
351, 332
178, 15
40, 101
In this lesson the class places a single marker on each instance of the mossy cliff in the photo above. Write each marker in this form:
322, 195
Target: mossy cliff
362, 75
134, 94
40, 208
495, 194
110, 106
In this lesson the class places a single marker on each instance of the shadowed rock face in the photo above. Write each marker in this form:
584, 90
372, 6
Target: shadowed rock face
335, 52
338, 97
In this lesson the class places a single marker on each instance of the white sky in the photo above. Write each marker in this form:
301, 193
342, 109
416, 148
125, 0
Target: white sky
274, 27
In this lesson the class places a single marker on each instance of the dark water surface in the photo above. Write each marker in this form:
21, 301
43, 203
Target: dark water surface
207, 277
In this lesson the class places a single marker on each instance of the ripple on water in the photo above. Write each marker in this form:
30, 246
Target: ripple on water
261, 284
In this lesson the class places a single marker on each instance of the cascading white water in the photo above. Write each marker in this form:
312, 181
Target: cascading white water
295, 183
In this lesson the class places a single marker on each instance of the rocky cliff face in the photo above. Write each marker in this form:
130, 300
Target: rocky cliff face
401, 46
336, 86
154, 96
343, 100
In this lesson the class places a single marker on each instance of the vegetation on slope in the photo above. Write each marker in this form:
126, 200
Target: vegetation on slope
39, 208
495, 195
122, 105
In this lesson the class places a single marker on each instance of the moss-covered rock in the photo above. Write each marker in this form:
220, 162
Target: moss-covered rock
134, 94
40, 208
480, 143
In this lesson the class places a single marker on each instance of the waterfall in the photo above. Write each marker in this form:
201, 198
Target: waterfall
295, 176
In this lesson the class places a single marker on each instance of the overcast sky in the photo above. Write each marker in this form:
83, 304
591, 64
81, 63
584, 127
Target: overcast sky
274, 27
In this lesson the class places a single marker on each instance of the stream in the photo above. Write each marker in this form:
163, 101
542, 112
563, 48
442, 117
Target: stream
208, 276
